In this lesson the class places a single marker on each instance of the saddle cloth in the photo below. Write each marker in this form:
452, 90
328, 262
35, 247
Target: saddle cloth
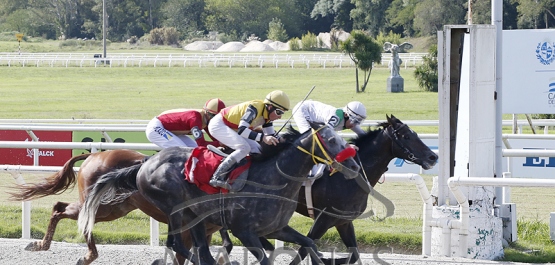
201, 165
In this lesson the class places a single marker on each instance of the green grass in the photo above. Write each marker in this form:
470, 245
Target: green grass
141, 93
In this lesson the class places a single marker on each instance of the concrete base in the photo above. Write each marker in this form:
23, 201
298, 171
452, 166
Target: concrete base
485, 234
395, 84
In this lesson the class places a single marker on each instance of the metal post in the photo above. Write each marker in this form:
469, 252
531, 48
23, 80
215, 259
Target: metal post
497, 20
104, 28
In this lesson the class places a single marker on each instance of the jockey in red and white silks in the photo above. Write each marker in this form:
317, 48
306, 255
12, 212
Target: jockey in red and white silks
173, 127
234, 125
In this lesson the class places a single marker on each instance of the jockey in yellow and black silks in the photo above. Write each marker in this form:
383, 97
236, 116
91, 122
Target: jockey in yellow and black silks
233, 127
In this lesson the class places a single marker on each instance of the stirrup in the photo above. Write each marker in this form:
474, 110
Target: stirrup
319, 172
216, 183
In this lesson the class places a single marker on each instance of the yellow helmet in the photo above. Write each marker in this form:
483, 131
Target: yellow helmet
278, 99
214, 105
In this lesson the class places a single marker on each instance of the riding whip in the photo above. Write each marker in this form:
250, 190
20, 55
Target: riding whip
305, 97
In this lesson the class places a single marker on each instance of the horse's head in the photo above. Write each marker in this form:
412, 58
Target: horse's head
407, 145
327, 147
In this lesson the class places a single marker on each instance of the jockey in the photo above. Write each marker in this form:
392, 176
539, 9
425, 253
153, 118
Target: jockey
173, 127
348, 117
233, 128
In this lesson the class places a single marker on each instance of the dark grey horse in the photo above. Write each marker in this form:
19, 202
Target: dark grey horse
262, 208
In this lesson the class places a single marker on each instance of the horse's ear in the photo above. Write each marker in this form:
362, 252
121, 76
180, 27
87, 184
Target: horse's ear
391, 119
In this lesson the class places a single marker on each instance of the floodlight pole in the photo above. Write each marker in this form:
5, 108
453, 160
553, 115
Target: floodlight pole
104, 27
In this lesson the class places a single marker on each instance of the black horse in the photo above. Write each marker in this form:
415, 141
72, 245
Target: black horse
337, 201
262, 208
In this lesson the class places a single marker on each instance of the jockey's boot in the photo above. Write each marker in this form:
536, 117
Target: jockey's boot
317, 171
218, 179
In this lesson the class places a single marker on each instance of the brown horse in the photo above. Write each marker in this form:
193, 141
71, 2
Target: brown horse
94, 166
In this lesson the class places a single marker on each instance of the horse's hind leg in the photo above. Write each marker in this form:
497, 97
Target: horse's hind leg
252, 242
61, 210
91, 255
175, 241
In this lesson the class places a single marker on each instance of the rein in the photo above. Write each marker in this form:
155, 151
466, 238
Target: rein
392, 134
316, 141
316, 159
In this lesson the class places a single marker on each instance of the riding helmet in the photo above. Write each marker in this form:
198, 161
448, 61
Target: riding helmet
278, 99
355, 110
214, 105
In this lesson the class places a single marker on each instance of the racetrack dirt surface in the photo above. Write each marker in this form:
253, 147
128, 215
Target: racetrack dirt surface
12, 251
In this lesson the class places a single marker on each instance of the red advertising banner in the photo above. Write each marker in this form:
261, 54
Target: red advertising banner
23, 156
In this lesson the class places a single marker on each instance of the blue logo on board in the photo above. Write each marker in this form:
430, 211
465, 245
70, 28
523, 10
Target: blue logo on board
545, 52
551, 94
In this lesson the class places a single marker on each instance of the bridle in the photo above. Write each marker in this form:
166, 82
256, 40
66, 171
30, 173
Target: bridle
392, 133
326, 159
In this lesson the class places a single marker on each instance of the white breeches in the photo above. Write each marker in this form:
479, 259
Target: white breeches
229, 137
156, 134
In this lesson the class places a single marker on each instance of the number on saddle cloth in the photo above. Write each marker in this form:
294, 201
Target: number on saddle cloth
202, 163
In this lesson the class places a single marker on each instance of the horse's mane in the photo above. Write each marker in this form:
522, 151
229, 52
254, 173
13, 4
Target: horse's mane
287, 138
369, 135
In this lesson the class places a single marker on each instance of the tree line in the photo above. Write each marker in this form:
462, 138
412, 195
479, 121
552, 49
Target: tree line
241, 19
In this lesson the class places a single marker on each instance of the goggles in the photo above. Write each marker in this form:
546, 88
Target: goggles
356, 120
279, 111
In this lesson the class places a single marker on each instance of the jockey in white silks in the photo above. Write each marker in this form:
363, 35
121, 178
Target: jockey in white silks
233, 127
348, 117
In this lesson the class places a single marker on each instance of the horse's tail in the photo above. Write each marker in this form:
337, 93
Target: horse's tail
52, 185
110, 188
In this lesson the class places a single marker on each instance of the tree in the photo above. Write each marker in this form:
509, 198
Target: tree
276, 31
533, 13
427, 74
62, 14
370, 15
432, 15
183, 15
338, 10
308, 23
364, 51
400, 15
248, 17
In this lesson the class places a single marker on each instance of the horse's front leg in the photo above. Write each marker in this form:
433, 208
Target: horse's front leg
289, 234
347, 233
252, 242
61, 210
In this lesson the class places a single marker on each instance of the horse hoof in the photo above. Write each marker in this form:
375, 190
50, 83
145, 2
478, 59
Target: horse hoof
33, 246
81, 261
158, 262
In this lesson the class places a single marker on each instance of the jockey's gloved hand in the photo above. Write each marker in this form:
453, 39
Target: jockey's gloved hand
270, 140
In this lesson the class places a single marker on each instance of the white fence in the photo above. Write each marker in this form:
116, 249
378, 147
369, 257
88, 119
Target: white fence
208, 59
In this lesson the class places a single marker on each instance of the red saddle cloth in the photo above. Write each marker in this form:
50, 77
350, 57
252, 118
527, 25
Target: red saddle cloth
200, 167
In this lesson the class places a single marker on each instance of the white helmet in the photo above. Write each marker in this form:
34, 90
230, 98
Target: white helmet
355, 111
